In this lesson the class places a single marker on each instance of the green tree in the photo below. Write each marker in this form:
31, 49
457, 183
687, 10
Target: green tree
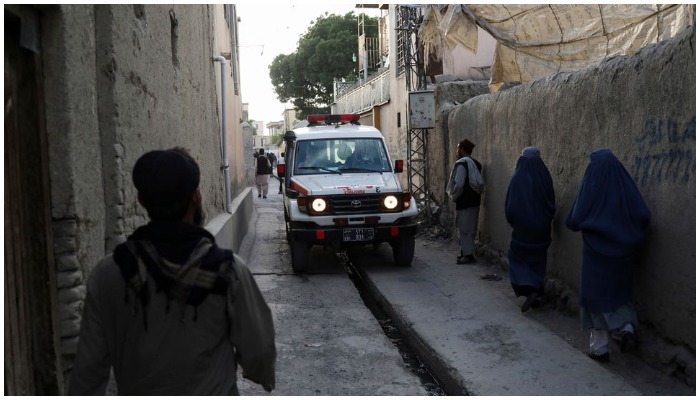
253, 126
324, 52
276, 140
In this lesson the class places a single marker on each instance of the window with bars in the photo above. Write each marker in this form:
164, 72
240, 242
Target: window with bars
406, 17
401, 39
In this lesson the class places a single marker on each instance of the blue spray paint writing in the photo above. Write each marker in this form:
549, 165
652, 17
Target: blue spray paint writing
664, 152
657, 132
672, 165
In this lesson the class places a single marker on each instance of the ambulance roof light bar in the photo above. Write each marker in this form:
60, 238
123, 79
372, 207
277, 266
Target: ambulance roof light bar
317, 119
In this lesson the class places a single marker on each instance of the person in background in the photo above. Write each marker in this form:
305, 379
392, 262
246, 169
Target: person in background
262, 173
281, 178
464, 188
273, 163
169, 311
612, 216
529, 210
315, 157
364, 156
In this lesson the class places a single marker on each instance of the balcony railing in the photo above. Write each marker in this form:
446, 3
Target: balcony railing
354, 97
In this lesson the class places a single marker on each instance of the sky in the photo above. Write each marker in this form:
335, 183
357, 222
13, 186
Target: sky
266, 30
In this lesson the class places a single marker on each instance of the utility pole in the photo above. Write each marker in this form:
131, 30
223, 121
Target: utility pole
416, 138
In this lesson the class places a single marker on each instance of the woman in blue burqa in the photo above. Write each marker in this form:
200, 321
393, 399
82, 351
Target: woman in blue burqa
529, 210
611, 214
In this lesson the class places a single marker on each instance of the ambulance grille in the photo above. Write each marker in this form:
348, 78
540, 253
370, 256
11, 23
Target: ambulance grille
356, 204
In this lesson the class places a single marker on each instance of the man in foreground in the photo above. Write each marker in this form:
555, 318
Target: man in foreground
170, 311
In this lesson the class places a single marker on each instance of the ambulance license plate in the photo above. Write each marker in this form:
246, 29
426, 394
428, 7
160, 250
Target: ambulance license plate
358, 234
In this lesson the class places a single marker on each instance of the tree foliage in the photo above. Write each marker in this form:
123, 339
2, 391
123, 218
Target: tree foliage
323, 53
253, 126
277, 139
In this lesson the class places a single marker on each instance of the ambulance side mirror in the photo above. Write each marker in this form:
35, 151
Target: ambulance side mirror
398, 166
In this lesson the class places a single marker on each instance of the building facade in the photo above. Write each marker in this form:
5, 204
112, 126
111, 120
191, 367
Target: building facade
290, 119
275, 128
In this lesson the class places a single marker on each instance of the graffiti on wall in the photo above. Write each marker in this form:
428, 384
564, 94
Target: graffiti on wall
666, 152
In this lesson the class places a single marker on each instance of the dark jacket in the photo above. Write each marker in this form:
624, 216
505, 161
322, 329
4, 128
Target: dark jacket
167, 328
262, 165
469, 197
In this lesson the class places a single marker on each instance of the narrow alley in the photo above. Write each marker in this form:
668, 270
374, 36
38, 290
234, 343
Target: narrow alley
373, 110
469, 332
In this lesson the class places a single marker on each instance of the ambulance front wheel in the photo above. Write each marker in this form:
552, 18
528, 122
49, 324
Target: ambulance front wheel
300, 255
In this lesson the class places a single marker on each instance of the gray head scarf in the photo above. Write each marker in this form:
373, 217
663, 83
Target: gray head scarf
530, 151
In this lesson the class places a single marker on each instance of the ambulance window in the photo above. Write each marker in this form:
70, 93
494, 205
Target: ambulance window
345, 154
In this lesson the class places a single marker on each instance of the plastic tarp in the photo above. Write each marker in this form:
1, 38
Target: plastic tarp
535, 41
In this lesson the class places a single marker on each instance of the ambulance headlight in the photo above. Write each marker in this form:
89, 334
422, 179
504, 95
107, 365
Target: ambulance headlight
391, 202
318, 205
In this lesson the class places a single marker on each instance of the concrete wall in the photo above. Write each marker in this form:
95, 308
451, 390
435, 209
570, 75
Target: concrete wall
234, 100
459, 61
122, 80
230, 229
643, 108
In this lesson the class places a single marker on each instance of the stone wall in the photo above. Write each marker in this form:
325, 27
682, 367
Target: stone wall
121, 80
643, 108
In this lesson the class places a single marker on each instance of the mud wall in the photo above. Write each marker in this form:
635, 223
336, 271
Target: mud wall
156, 89
443, 147
643, 108
121, 80
75, 161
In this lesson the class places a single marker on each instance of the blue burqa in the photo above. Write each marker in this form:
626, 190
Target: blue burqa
529, 210
611, 214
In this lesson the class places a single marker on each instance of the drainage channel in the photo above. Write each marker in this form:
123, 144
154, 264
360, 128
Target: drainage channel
410, 359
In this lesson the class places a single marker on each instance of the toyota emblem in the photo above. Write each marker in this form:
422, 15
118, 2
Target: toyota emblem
356, 204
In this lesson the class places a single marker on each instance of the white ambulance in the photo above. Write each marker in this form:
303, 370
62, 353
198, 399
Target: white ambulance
341, 189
